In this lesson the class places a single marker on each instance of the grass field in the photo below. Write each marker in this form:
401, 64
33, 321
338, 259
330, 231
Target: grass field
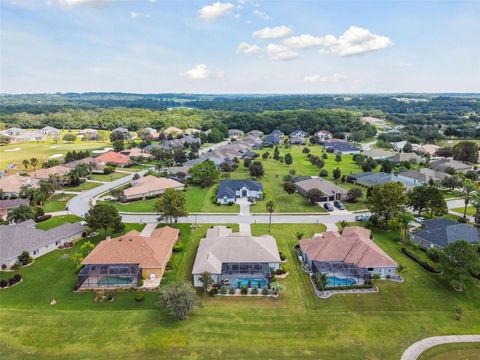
42, 150
458, 351
57, 202
56, 221
86, 185
108, 177
297, 325
470, 210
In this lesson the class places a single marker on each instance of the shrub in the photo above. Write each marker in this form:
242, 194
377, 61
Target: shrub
265, 291
140, 283
178, 248
223, 290
108, 170
376, 276
213, 291
433, 254
462, 220
4, 267
282, 256
139, 297
232, 291
420, 262
255, 291
388, 277
169, 266
244, 290
11, 282
17, 277
350, 287
3, 283
284, 267
323, 173
42, 218
24, 258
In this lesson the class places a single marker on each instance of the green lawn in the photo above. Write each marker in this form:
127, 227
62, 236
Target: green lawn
86, 185
108, 177
134, 206
42, 150
470, 210
57, 202
56, 221
456, 351
297, 325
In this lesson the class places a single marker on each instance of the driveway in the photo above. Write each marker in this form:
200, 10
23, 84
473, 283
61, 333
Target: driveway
368, 146
414, 350
244, 227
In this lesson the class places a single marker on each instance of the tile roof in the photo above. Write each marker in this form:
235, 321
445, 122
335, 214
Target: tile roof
221, 245
353, 246
113, 157
25, 236
132, 248
13, 203
443, 164
13, 183
43, 174
151, 183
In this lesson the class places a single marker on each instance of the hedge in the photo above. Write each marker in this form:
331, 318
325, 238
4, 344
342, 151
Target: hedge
420, 262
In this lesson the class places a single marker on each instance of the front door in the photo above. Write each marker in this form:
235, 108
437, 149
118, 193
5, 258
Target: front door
244, 192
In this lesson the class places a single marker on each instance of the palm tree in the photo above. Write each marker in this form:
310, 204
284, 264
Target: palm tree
34, 163
404, 218
21, 213
207, 280
270, 208
25, 164
475, 200
468, 189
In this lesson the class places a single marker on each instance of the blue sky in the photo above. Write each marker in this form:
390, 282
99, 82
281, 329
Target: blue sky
155, 46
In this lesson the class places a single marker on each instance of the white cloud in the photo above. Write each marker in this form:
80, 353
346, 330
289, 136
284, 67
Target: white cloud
260, 14
85, 2
357, 41
273, 32
280, 52
249, 49
404, 65
198, 72
335, 78
135, 15
215, 10
307, 40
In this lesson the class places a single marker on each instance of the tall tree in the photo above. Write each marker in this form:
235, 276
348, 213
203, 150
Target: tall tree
465, 151
206, 280
459, 261
276, 153
21, 213
25, 164
404, 218
178, 299
468, 190
103, 216
34, 163
288, 159
338, 158
475, 201
256, 169
387, 201
204, 173
171, 205
270, 206
289, 187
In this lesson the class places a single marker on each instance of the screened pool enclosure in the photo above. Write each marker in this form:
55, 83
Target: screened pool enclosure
342, 271
109, 276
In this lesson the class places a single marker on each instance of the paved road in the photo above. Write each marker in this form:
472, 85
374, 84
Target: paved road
368, 146
79, 205
414, 350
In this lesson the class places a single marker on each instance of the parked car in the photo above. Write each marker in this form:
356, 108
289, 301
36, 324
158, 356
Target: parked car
362, 217
419, 219
339, 205
327, 206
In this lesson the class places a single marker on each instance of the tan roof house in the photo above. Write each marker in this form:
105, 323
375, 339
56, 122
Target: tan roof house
378, 154
172, 130
429, 149
331, 191
7, 205
112, 157
136, 152
11, 184
150, 186
43, 174
120, 262
351, 253
235, 257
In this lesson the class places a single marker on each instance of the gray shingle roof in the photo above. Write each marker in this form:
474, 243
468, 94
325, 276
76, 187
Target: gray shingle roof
443, 232
227, 188
13, 203
25, 236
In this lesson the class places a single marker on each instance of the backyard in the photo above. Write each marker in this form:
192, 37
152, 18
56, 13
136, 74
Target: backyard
374, 326
57, 202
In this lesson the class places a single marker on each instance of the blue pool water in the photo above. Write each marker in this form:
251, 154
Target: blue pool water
259, 283
335, 281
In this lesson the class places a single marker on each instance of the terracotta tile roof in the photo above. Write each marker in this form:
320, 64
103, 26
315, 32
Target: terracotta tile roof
113, 157
150, 184
352, 246
54, 170
13, 183
132, 248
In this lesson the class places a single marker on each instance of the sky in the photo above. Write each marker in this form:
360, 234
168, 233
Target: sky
239, 46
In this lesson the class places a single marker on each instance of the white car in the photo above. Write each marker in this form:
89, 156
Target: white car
419, 219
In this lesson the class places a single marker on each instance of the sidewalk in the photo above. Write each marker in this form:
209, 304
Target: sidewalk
414, 350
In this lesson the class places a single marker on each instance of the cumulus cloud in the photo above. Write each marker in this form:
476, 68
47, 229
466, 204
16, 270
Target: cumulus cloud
198, 72
85, 2
275, 32
280, 52
357, 41
135, 14
215, 10
307, 40
335, 78
260, 14
249, 49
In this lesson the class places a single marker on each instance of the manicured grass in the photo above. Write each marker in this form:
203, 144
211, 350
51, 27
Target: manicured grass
86, 185
134, 206
449, 194
470, 210
457, 351
42, 151
57, 202
57, 220
108, 177
136, 168
297, 325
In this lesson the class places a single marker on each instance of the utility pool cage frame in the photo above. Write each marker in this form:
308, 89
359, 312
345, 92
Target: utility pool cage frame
106, 276
251, 270
342, 270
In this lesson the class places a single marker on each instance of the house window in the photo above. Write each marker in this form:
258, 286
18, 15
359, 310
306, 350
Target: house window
370, 269
35, 252
57, 242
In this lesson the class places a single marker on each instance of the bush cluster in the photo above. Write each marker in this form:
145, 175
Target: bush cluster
10, 282
420, 262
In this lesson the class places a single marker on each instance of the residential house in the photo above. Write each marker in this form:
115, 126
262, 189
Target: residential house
236, 259
410, 157
341, 148
323, 135
331, 191
11, 184
428, 149
422, 176
235, 133
136, 153
298, 133
373, 120
255, 133
251, 155
378, 154
439, 233
24, 236
50, 131
112, 157
94, 166
351, 255
191, 131
88, 132
150, 185
44, 173
7, 205
274, 138
123, 261
173, 131
152, 133
398, 145
297, 140
445, 164
231, 189
21, 135
371, 178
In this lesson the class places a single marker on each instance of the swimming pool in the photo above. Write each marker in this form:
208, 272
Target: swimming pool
336, 281
114, 280
259, 283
